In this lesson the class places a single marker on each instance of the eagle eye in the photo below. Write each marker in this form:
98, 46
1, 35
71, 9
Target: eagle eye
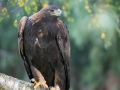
52, 10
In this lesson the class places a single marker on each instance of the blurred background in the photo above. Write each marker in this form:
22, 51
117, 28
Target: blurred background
94, 28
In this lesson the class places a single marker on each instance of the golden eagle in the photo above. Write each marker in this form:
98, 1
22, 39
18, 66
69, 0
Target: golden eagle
45, 48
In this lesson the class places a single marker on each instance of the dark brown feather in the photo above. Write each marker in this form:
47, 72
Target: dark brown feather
21, 27
47, 48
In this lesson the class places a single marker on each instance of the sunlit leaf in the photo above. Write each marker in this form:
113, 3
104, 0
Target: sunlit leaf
15, 23
27, 9
21, 3
86, 1
44, 5
86, 7
106, 5
4, 10
89, 10
71, 19
26, 0
15, 0
35, 8
1, 18
102, 35
33, 3
65, 13
67, 6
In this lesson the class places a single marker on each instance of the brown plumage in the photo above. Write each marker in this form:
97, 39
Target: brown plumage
45, 48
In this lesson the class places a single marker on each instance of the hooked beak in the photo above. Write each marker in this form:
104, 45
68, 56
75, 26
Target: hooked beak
57, 12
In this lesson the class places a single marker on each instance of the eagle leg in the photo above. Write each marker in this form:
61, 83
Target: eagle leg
37, 84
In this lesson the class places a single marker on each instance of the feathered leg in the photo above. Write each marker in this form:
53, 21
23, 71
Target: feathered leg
38, 78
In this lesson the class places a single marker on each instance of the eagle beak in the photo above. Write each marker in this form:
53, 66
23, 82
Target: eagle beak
57, 12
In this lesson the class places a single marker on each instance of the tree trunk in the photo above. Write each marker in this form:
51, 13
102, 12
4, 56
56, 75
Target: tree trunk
11, 83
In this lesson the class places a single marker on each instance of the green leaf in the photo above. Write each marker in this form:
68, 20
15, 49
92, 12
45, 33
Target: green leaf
15, 23
33, 3
27, 9
35, 8
21, 3
1, 18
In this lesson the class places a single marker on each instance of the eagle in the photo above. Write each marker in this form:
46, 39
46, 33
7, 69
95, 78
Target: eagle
44, 46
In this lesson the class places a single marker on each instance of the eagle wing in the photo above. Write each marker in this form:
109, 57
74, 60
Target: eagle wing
63, 44
21, 28
64, 47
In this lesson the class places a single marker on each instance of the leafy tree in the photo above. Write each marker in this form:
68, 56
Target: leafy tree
94, 29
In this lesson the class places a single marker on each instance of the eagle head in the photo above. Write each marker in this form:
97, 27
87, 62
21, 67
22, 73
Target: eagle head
50, 12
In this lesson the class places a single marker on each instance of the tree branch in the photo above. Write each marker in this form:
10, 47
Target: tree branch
11, 83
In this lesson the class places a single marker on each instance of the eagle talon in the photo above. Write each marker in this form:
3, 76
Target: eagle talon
37, 84
52, 88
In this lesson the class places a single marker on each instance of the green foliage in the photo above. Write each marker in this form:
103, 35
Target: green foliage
94, 30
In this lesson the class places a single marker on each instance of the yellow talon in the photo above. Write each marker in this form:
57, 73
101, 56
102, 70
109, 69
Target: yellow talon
52, 88
37, 84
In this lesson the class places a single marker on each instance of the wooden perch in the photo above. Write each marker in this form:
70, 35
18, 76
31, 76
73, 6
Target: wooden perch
11, 83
